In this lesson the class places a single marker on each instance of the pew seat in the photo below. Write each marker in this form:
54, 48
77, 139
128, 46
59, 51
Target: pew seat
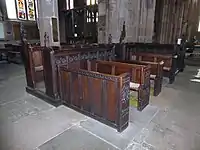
140, 78
156, 75
134, 86
152, 76
169, 66
39, 68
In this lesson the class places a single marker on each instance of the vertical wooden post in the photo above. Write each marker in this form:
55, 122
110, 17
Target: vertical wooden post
26, 57
50, 79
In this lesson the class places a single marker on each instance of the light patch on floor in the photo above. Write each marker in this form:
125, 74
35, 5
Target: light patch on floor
195, 80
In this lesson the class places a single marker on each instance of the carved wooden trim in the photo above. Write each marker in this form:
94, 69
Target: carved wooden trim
61, 60
92, 74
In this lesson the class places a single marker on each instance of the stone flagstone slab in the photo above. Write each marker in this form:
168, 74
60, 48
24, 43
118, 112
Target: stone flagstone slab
142, 118
12, 90
32, 131
28, 105
76, 138
121, 140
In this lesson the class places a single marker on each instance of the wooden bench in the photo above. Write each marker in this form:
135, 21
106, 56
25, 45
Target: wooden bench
156, 73
104, 97
169, 69
140, 79
176, 51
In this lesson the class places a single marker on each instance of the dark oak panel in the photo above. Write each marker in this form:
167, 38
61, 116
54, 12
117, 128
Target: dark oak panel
101, 96
76, 58
139, 74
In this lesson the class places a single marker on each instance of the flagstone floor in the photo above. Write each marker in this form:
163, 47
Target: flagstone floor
170, 122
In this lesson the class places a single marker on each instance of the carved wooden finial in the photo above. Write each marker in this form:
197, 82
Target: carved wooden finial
46, 39
123, 33
23, 33
110, 39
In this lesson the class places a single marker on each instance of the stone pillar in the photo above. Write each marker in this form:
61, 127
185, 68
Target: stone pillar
113, 17
103, 10
62, 24
126, 20
48, 9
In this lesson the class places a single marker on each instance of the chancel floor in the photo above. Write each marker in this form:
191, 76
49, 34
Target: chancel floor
170, 122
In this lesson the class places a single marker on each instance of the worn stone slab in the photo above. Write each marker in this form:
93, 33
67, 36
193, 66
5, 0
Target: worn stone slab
142, 146
196, 142
158, 137
28, 105
120, 140
135, 147
11, 71
137, 121
173, 117
34, 130
76, 138
142, 118
12, 90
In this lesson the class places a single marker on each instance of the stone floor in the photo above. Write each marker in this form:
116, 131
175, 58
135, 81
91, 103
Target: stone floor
170, 122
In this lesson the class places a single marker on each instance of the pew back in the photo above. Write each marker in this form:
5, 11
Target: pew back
53, 60
101, 96
156, 73
139, 73
154, 58
155, 67
139, 77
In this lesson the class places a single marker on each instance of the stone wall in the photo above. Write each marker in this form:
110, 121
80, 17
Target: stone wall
138, 16
46, 10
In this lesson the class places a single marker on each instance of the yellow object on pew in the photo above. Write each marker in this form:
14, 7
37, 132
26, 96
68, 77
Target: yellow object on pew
133, 100
152, 91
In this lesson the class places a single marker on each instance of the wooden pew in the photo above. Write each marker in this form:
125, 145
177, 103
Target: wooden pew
140, 78
36, 63
104, 97
176, 51
33, 63
156, 73
76, 59
169, 69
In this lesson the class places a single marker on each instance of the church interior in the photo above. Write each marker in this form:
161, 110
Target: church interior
99, 75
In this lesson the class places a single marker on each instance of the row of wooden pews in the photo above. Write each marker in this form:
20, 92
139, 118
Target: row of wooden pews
173, 56
101, 81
